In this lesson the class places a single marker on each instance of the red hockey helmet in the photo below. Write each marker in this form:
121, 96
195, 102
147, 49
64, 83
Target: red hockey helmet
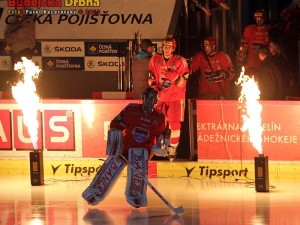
209, 41
169, 41
260, 13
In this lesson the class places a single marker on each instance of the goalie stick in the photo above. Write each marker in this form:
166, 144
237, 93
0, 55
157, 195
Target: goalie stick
175, 210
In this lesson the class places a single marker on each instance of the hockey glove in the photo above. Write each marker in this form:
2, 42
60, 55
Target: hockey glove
159, 147
220, 75
159, 151
242, 55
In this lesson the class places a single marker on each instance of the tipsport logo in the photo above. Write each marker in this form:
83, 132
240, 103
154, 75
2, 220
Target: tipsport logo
72, 169
206, 171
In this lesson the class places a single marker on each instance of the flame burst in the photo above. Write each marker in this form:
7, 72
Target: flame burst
252, 120
27, 99
88, 111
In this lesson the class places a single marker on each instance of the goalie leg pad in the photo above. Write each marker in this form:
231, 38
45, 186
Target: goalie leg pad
104, 180
136, 187
114, 142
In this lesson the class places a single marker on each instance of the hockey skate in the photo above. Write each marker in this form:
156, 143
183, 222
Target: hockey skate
171, 153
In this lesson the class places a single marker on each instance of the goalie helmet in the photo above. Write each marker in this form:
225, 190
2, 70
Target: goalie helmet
150, 99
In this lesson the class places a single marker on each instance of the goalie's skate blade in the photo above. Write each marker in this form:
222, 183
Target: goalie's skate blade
178, 210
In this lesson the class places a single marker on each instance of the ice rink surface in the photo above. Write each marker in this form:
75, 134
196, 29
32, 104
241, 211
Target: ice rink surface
205, 201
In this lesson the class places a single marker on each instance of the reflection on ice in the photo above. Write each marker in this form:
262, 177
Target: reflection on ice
205, 201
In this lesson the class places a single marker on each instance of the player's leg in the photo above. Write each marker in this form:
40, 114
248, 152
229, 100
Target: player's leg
136, 188
175, 116
109, 171
104, 180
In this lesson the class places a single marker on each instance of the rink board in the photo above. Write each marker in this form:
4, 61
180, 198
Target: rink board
220, 134
209, 170
72, 135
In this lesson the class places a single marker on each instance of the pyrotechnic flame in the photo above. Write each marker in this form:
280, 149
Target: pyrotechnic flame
252, 119
88, 111
27, 99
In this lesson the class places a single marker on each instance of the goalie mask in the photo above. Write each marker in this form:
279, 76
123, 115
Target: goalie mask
150, 99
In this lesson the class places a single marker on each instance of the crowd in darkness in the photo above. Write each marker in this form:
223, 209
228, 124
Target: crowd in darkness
268, 52
273, 53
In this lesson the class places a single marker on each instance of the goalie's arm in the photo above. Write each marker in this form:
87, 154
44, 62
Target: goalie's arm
118, 123
114, 136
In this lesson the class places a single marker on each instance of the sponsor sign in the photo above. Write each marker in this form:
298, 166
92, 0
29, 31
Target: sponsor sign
38, 61
5, 59
38, 49
59, 130
59, 49
64, 128
110, 19
5, 49
105, 48
219, 134
21, 137
5, 63
63, 63
104, 63
5, 130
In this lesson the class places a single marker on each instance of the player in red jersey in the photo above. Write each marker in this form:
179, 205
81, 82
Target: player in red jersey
216, 71
141, 124
254, 36
137, 133
168, 74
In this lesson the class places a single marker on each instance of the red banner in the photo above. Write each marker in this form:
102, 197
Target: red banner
67, 128
94, 137
59, 129
219, 134
21, 134
5, 130
72, 128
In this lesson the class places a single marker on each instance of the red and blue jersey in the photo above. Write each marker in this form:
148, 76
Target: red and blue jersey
138, 129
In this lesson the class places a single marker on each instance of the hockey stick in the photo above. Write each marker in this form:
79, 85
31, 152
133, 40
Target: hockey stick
175, 210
